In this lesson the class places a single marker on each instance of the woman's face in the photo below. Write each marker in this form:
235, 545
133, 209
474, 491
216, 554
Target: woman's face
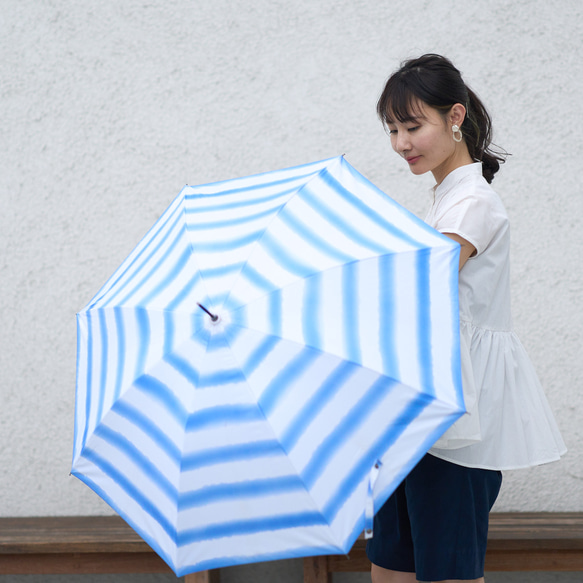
426, 142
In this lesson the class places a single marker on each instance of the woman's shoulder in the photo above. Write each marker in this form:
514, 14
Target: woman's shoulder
467, 185
470, 208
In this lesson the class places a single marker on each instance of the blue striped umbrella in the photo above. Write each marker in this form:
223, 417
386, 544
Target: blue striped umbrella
266, 366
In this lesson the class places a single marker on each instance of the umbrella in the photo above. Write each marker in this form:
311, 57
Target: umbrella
266, 366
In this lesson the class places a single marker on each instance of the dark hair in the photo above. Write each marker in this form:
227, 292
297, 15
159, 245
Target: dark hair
435, 81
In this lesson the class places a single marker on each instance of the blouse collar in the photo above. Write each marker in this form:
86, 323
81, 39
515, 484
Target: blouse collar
455, 176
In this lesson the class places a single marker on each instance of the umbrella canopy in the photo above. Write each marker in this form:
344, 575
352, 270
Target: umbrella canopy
266, 366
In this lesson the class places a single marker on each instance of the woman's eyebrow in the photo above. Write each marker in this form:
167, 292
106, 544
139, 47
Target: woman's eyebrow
412, 119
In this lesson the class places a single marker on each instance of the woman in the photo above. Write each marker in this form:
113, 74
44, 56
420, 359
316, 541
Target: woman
434, 527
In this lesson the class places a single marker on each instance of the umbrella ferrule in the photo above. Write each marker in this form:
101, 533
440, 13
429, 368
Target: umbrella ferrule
213, 317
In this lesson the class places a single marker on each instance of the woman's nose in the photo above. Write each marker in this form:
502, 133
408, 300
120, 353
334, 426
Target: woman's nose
399, 141
402, 142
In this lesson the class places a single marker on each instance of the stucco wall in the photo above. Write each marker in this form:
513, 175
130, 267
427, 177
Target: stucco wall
109, 108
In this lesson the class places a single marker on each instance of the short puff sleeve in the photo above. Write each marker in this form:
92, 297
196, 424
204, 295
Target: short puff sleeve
469, 213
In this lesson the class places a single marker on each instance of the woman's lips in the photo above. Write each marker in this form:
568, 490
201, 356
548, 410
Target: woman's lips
412, 159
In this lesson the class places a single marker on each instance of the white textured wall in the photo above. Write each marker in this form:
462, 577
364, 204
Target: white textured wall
108, 108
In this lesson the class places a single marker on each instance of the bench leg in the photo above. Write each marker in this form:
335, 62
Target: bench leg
203, 577
316, 570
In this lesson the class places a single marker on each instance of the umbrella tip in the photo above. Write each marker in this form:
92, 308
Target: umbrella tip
214, 317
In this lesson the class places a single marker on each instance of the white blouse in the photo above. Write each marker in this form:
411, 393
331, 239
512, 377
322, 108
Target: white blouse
508, 423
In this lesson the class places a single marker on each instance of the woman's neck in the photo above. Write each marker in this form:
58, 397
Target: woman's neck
460, 157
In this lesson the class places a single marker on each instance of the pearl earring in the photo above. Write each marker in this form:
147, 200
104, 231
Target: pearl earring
456, 130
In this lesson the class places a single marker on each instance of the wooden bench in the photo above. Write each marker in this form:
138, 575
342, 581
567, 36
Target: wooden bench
106, 544
80, 544
529, 541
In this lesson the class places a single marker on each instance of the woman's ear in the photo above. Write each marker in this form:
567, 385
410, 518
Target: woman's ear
457, 114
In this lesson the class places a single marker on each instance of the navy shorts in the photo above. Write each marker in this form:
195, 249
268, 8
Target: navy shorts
435, 524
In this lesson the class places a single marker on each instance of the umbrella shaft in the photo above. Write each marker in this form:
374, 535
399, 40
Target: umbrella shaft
214, 317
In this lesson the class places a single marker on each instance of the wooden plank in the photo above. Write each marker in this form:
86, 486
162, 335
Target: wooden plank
355, 562
539, 560
533, 541
71, 563
516, 542
69, 534
499, 560
76, 545
536, 530
212, 576
317, 570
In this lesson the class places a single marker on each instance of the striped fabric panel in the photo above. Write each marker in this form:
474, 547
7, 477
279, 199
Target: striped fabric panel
272, 184
116, 346
168, 225
123, 497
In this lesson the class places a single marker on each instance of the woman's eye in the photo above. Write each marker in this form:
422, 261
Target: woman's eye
394, 132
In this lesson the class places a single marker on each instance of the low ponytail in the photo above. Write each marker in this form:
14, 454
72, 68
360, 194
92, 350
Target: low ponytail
477, 129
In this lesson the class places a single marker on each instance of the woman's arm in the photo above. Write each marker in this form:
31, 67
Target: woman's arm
467, 249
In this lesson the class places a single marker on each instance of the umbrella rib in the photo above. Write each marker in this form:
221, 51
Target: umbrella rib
257, 243
297, 472
293, 193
